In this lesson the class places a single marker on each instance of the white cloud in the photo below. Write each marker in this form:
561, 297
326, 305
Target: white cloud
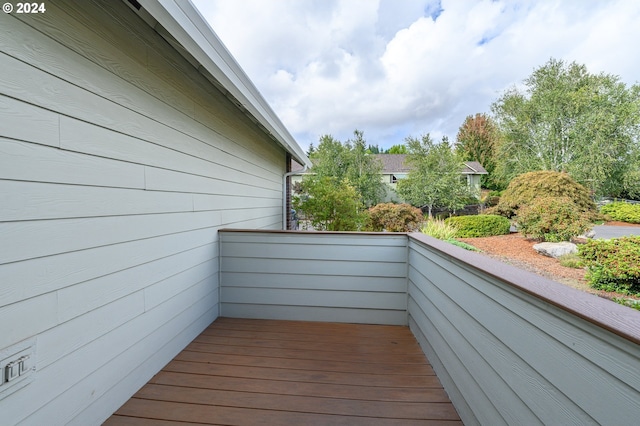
395, 69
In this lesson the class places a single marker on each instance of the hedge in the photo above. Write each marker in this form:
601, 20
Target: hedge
479, 225
613, 265
624, 212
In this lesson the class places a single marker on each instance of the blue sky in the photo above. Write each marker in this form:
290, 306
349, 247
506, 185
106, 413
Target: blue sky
398, 68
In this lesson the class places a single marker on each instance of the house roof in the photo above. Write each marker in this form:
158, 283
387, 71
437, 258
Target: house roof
474, 168
395, 163
296, 167
180, 23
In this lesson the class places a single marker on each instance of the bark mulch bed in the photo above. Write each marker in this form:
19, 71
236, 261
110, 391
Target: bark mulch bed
518, 251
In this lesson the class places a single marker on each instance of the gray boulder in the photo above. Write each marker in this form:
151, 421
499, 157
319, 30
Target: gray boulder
555, 250
589, 234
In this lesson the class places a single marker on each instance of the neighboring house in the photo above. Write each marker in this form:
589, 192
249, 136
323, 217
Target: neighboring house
394, 168
128, 136
473, 171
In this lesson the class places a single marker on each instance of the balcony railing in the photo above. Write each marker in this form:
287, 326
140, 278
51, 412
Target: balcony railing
510, 347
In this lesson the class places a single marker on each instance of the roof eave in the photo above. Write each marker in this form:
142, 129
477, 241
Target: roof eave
187, 26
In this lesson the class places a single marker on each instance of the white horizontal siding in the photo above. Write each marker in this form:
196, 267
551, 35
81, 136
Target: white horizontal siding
25, 122
319, 277
184, 154
508, 357
138, 339
119, 162
305, 281
117, 388
24, 161
37, 201
88, 295
314, 312
283, 266
76, 81
70, 235
56, 272
203, 202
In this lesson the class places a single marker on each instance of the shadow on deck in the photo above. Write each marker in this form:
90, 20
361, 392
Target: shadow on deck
243, 371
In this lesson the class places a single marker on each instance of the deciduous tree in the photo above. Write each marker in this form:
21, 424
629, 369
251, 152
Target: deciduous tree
477, 140
434, 179
373, 149
346, 180
364, 170
351, 161
397, 149
569, 120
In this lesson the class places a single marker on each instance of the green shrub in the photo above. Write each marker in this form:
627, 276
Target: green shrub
571, 260
395, 217
439, 229
631, 303
624, 212
491, 201
463, 245
613, 265
482, 225
552, 219
492, 198
527, 187
330, 205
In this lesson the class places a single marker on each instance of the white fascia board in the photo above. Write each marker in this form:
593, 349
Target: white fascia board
185, 23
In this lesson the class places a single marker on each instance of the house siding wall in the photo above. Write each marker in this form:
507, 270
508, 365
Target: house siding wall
390, 187
346, 277
507, 357
118, 164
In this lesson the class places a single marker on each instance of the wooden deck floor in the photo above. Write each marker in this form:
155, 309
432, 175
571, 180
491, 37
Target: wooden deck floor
245, 372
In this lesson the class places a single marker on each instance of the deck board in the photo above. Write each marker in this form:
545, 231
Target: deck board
243, 372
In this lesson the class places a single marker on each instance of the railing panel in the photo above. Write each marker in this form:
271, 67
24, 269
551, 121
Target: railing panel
343, 277
512, 347
509, 346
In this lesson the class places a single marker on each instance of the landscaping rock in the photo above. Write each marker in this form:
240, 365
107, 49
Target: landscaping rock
555, 250
589, 234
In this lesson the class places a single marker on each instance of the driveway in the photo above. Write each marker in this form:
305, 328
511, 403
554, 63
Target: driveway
608, 231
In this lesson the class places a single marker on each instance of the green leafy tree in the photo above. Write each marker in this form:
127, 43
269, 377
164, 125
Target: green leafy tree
570, 120
364, 170
330, 158
345, 182
477, 140
373, 149
350, 161
330, 204
311, 150
397, 149
434, 179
